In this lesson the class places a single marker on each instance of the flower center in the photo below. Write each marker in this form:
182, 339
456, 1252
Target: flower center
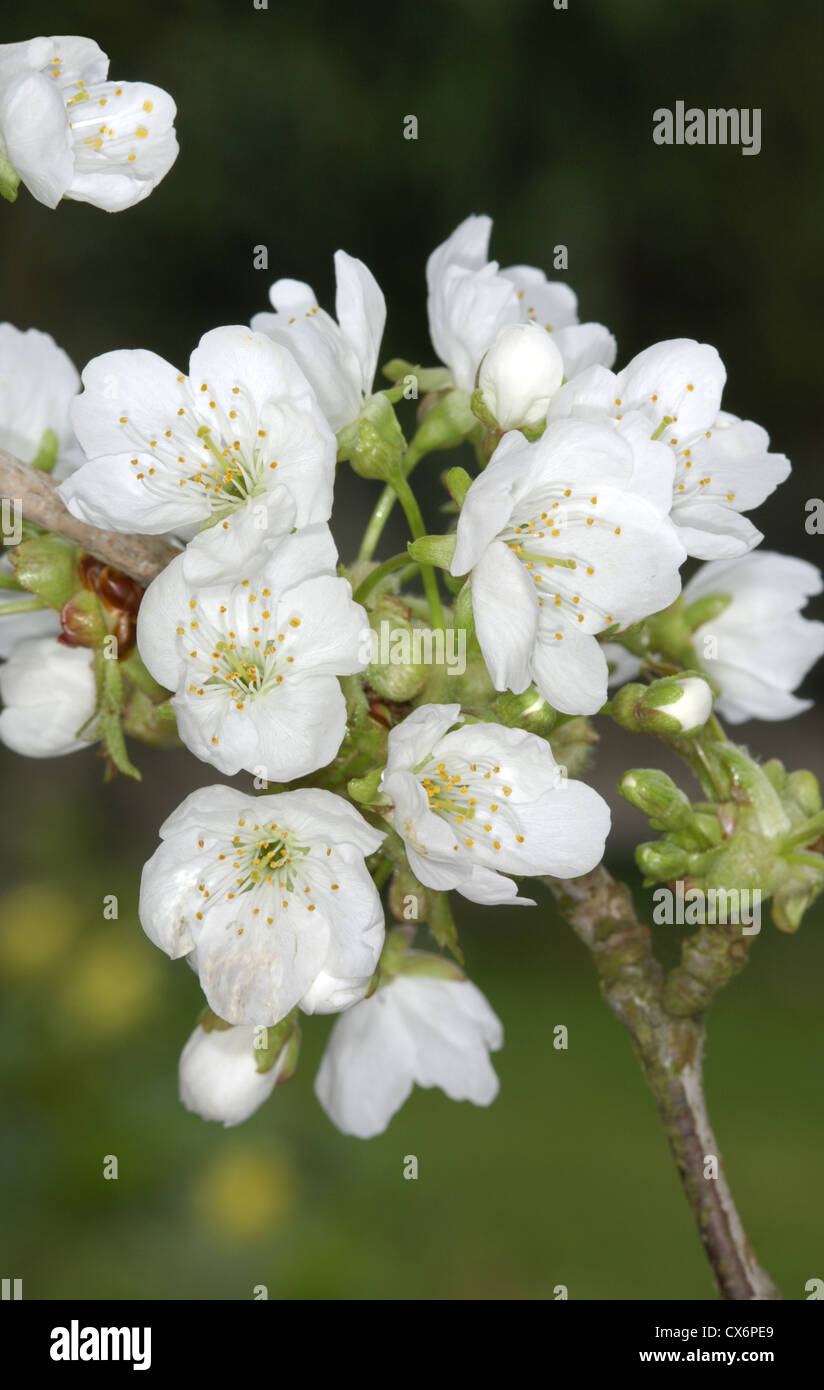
213, 450
471, 797
552, 549
245, 655
267, 864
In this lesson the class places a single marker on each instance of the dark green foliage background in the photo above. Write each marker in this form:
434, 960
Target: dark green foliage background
290, 126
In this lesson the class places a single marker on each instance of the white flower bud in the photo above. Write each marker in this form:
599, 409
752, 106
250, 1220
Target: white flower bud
49, 693
219, 1079
518, 376
693, 707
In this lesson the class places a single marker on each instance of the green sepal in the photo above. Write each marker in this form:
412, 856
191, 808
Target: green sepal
211, 1022
464, 613
402, 885
746, 775
705, 610
427, 378
365, 790
271, 1042
434, 550
149, 722
446, 424
481, 411
458, 482
133, 667
110, 696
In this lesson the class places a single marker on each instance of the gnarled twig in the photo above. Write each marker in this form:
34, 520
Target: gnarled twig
670, 1048
141, 557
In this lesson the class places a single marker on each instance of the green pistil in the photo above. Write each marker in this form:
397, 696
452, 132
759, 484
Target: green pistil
527, 555
665, 423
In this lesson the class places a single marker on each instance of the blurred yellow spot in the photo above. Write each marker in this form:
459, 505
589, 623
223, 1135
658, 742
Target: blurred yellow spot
37, 921
245, 1193
111, 987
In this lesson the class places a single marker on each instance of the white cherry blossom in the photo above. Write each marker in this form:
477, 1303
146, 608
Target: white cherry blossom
564, 537
480, 801
253, 657
760, 647
167, 451
270, 898
339, 359
415, 1030
470, 299
69, 133
723, 466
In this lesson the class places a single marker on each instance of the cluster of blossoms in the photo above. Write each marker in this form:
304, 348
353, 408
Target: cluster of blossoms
253, 645
68, 132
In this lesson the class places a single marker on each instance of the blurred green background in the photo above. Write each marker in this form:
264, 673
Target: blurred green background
291, 133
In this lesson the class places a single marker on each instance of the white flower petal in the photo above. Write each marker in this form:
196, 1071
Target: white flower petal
414, 1029
411, 741
505, 607
761, 646
679, 379
361, 310
584, 345
367, 1070
36, 137
569, 667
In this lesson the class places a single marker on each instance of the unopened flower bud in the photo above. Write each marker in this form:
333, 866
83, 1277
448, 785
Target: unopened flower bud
373, 443
394, 672
661, 860
47, 566
675, 706
82, 621
528, 711
686, 701
657, 796
219, 1078
802, 788
519, 375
